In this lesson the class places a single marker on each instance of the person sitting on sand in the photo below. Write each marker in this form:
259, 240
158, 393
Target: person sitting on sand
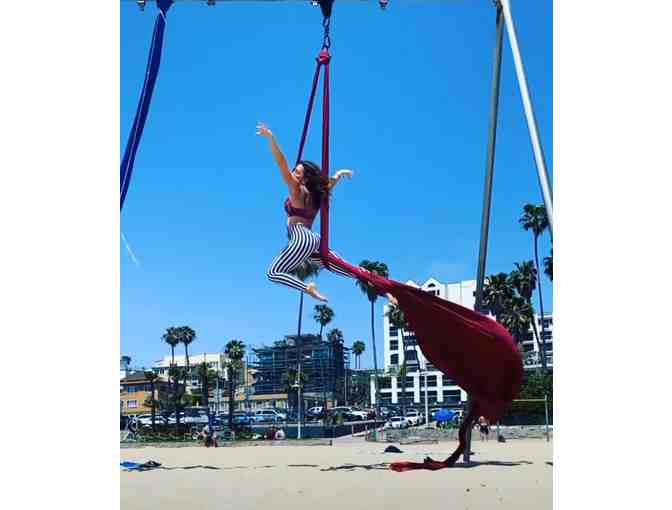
209, 436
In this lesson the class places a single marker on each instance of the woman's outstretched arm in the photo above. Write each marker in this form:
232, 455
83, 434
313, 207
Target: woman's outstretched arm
333, 181
279, 157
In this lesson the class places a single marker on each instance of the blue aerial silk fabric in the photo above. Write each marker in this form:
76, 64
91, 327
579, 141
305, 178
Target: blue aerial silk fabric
145, 98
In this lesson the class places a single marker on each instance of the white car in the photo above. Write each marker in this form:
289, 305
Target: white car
414, 417
145, 420
397, 422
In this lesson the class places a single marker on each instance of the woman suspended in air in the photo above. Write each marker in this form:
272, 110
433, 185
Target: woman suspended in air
306, 188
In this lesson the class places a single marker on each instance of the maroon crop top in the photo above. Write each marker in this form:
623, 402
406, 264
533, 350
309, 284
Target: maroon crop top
307, 213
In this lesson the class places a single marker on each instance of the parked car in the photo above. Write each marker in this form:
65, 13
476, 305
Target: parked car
268, 415
196, 417
397, 422
414, 417
243, 418
145, 420
349, 412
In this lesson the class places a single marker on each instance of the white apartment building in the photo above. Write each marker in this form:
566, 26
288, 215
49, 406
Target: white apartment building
441, 391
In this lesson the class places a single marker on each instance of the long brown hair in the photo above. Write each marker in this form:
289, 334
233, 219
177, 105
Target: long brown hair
316, 184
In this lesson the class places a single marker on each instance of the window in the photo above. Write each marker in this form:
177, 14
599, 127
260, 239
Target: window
431, 380
131, 404
451, 396
393, 331
546, 335
394, 359
528, 347
411, 355
527, 337
394, 345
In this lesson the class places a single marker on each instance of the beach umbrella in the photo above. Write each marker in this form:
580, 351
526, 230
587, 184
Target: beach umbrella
444, 415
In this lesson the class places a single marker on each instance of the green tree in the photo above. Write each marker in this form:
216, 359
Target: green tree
290, 381
171, 337
524, 279
335, 336
548, 266
235, 352
497, 292
177, 394
517, 317
358, 348
151, 378
534, 219
323, 315
396, 317
206, 376
186, 336
304, 271
381, 269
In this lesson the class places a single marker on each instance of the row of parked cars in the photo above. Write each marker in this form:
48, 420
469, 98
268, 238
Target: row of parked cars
412, 417
394, 418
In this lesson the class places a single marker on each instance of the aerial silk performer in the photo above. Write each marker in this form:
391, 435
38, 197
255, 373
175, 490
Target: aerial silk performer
475, 351
145, 98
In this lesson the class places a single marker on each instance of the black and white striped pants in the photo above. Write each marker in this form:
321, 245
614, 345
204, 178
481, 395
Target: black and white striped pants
303, 245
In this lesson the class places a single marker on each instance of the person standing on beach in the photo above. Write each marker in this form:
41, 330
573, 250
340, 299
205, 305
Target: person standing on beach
483, 428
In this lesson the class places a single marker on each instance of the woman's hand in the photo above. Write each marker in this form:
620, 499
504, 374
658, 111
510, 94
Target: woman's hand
344, 173
263, 130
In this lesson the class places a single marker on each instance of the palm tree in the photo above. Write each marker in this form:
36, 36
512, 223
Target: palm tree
534, 218
497, 292
358, 348
524, 280
206, 375
396, 317
303, 272
186, 336
171, 337
548, 266
290, 380
517, 317
151, 377
381, 269
335, 336
176, 373
323, 315
235, 351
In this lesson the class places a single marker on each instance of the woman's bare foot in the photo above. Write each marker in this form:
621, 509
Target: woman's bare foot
311, 290
392, 299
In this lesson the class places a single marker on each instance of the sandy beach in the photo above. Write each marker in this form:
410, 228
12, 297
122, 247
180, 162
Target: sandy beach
351, 474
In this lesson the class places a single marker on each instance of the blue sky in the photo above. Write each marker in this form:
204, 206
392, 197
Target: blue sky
410, 100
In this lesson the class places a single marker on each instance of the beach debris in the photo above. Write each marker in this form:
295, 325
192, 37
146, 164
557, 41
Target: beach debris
392, 449
136, 466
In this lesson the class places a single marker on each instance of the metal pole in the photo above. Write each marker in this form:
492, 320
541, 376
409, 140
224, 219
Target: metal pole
487, 193
298, 425
426, 402
548, 437
529, 114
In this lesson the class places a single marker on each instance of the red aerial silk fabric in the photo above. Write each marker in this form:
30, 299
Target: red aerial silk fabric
473, 350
